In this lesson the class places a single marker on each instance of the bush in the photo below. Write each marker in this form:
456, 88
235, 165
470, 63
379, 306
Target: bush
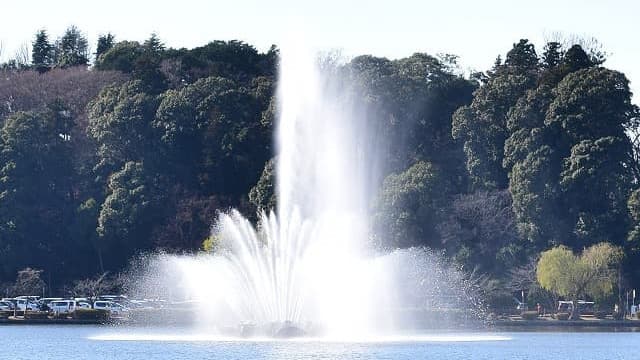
36, 315
60, 315
600, 314
562, 316
529, 315
91, 314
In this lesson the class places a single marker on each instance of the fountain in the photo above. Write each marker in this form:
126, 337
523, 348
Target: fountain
306, 267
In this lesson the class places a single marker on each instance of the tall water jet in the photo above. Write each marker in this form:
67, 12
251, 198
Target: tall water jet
304, 264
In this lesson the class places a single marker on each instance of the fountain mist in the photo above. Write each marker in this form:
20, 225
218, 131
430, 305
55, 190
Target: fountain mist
306, 265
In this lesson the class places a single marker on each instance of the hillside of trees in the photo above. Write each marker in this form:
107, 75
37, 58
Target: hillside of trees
137, 147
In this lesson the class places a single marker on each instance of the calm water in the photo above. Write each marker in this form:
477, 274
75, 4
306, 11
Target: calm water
88, 342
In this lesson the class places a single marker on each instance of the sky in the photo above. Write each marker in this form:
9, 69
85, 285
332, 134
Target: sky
477, 31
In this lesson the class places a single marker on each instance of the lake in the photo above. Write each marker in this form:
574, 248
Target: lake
124, 343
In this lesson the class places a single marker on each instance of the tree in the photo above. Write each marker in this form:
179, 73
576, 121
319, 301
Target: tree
633, 205
72, 49
479, 230
153, 44
28, 282
34, 190
408, 206
263, 194
522, 56
592, 103
91, 287
552, 55
42, 52
120, 57
120, 122
593, 273
105, 43
599, 167
482, 126
123, 213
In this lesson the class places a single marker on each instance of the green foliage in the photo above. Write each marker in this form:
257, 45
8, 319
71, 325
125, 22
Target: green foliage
124, 208
482, 126
263, 194
599, 166
591, 274
522, 56
408, 206
105, 43
42, 52
211, 243
119, 122
492, 168
633, 204
72, 49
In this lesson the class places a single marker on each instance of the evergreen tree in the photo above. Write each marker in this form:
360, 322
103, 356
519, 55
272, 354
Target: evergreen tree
42, 52
72, 49
105, 43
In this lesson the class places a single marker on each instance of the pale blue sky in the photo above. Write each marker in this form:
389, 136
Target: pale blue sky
477, 31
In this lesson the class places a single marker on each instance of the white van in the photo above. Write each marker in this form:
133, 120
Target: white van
63, 306
22, 304
113, 308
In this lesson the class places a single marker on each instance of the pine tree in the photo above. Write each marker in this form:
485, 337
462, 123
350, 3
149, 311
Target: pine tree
105, 43
42, 52
72, 49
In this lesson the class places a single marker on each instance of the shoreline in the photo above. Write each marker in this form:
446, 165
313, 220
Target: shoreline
612, 324
510, 324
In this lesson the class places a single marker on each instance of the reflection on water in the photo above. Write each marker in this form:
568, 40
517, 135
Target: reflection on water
128, 336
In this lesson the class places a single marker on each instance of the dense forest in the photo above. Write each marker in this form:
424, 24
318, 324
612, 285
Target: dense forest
137, 147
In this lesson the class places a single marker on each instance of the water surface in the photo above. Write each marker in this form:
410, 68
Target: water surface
126, 343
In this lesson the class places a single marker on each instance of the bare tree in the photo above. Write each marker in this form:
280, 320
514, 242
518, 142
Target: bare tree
28, 282
22, 56
91, 288
588, 43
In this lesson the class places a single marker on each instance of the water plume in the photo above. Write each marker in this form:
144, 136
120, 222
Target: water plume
306, 267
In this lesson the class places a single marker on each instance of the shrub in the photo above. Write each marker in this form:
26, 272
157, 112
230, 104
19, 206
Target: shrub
529, 315
60, 315
600, 314
91, 314
36, 315
562, 316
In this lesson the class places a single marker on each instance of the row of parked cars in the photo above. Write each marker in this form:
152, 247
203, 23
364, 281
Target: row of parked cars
114, 304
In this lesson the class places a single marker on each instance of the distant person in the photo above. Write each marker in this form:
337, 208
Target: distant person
539, 309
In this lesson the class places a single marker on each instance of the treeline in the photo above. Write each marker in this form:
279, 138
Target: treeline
140, 149
135, 152
549, 161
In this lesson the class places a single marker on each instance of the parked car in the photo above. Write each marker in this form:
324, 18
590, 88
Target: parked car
63, 306
83, 304
114, 308
45, 302
22, 304
6, 306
